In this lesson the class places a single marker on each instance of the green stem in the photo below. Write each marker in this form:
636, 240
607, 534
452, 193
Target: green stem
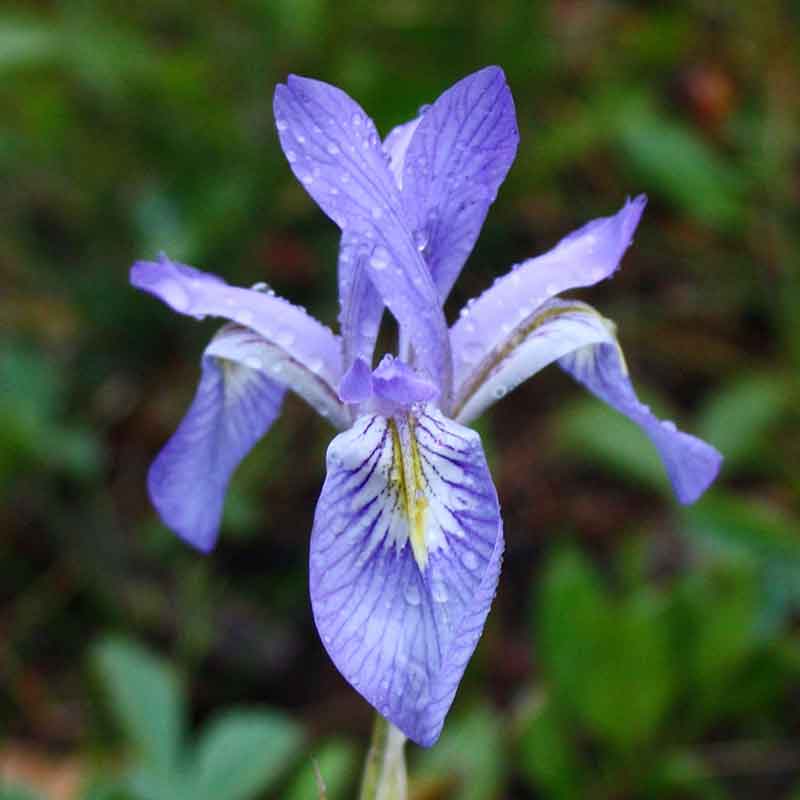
385, 766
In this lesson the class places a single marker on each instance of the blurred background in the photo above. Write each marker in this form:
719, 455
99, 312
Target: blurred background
636, 649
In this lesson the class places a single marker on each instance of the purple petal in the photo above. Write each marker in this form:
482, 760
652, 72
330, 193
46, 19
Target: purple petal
296, 349
356, 385
395, 146
398, 383
457, 158
584, 344
403, 570
583, 258
334, 150
691, 463
361, 305
234, 406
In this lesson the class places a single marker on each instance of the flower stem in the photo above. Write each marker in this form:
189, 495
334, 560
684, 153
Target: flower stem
385, 766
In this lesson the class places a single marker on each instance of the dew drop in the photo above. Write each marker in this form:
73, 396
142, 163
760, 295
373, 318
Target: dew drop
420, 240
174, 294
307, 178
439, 592
380, 258
499, 391
281, 124
291, 156
411, 594
356, 119
551, 288
300, 138
333, 149
669, 425
469, 560
253, 362
244, 317
285, 338
376, 212
315, 365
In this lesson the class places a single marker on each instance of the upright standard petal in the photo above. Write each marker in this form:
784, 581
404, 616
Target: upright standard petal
334, 150
405, 558
583, 258
456, 159
234, 406
295, 349
584, 344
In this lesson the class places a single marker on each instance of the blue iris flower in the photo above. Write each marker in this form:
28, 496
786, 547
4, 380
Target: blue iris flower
407, 540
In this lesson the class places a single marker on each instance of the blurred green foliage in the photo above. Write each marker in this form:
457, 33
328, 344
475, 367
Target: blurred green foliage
635, 649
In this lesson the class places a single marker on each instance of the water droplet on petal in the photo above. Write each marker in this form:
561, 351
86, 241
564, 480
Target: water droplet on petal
669, 425
411, 594
420, 240
281, 124
285, 338
307, 178
379, 258
244, 317
333, 149
551, 288
291, 156
356, 119
499, 391
439, 592
174, 294
469, 560
376, 212
253, 362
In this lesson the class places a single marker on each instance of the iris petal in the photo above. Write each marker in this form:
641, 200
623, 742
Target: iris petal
585, 345
298, 351
405, 558
583, 258
457, 158
233, 408
334, 150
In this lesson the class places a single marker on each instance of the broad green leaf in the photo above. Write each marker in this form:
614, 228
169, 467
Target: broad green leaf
470, 754
744, 526
145, 697
741, 414
628, 687
241, 753
338, 764
9, 792
594, 431
548, 758
682, 774
673, 159
572, 619
26, 43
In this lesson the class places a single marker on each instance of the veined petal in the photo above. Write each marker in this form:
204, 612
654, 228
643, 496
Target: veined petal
295, 349
234, 406
405, 557
583, 258
585, 345
334, 150
395, 145
458, 156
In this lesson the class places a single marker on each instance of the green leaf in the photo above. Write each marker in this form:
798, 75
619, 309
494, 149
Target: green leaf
742, 525
672, 158
470, 752
26, 43
572, 614
593, 431
241, 753
337, 762
628, 688
17, 793
609, 662
741, 414
145, 697
548, 757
